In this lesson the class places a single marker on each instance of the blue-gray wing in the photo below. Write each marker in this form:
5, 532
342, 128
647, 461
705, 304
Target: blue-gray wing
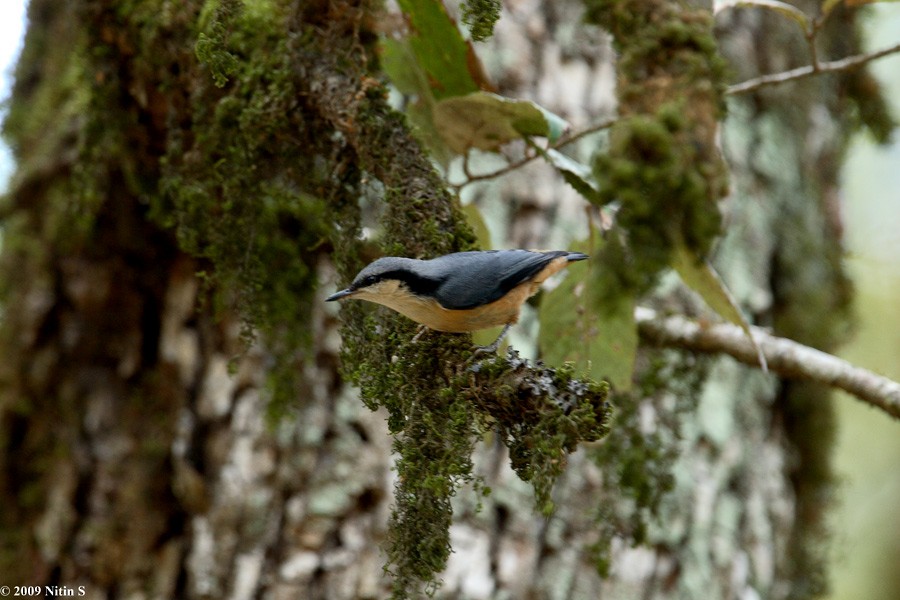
471, 279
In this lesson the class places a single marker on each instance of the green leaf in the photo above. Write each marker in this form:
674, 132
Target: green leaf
700, 276
599, 341
476, 221
399, 62
483, 337
439, 48
487, 121
556, 125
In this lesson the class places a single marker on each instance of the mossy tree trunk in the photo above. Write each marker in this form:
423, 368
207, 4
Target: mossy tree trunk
139, 452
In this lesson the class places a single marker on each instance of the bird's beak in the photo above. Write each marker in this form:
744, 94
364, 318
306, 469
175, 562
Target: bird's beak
339, 295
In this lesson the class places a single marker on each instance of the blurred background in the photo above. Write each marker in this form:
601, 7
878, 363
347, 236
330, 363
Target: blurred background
866, 545
866, 526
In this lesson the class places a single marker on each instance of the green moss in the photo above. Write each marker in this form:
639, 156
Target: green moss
541, 417
662, 164
434, 428
480, 16
439, 405
211, 47
235, 189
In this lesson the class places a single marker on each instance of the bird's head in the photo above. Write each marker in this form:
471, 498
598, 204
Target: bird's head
380, 278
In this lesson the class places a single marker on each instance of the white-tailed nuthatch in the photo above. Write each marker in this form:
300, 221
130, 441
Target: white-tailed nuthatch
459, 292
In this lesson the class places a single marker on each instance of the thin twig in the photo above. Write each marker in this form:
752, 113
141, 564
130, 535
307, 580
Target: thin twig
561, 142
845, 64
785, 357
568, 139
810, 36
502, 171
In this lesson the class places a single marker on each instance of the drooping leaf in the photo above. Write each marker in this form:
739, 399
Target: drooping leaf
578, 175
556, 125
483, 337
600, 341
701, 277
486, 121
399, 62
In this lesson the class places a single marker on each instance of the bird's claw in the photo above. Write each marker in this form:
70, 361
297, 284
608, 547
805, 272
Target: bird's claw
479, 350
419, 333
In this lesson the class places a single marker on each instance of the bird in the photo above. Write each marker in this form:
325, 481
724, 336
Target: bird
459, 292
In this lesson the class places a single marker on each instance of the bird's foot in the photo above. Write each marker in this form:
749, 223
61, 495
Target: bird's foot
422, 329
479, 350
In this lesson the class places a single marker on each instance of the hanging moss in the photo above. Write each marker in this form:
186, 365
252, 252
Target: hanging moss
540, 414
238, 188
662, 164
481, 16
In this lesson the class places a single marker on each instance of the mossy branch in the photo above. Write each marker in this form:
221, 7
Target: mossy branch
541, 414
438, 406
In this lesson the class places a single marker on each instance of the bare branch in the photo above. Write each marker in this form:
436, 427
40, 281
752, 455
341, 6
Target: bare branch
563, 141
785, 357
845, 64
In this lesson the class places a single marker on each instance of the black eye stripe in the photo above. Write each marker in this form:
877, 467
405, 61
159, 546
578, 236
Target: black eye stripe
416, 284
367, 281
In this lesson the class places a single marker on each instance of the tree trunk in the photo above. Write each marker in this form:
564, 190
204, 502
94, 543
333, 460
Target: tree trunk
141, 456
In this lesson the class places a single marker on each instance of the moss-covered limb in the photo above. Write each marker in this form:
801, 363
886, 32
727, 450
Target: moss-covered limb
422, 218
541, 414
434, 433
433, 413
662, 163
434, 446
